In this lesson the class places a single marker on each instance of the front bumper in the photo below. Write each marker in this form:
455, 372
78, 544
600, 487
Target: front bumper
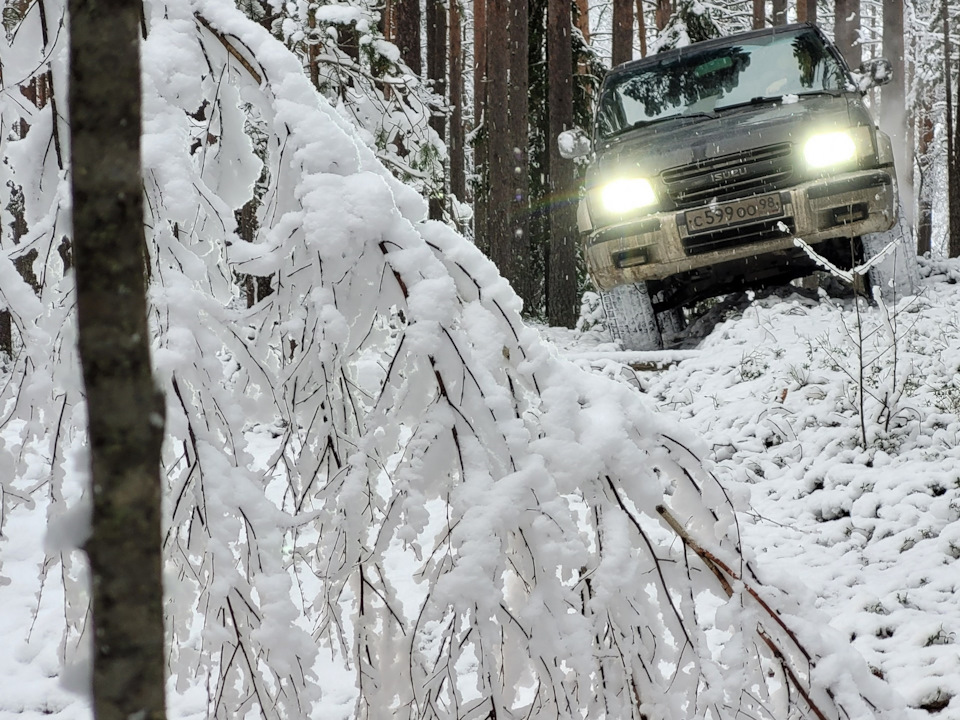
660, 245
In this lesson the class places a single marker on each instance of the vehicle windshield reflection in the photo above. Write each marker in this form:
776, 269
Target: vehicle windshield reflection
695, 84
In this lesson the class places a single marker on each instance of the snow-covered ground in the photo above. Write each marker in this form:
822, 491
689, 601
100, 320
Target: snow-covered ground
868, 534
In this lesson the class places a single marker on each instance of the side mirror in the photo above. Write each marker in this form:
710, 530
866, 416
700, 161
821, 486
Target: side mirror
573, 144
873, 73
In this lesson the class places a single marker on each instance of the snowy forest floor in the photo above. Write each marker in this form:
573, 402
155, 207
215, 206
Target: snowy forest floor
870, 535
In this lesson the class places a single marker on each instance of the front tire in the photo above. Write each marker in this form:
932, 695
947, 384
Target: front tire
630, 317
897, 274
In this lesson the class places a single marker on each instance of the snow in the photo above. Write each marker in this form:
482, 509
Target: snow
385, 425
868, 536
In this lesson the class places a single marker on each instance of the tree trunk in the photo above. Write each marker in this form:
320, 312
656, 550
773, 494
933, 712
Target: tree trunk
846, 31
407, 14
562, 264
953, 171
313, 49
437, 75
893, 108
924, 192
759, 14
622, 50
456, 145
641, 29
481, 155
778, 9
583, 19
386, 20
662, 14
502, 120
807, 11
518, 89
125, 409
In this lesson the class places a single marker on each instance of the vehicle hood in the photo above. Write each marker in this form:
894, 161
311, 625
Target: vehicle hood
676, 142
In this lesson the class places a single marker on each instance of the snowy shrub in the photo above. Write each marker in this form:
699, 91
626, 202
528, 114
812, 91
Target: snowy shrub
869, 349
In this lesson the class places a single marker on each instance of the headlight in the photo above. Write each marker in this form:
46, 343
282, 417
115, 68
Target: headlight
833, 148
626, 194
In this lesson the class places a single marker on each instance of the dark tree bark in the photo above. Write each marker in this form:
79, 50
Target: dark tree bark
456, 145
953, 170
386, 20
349, 40
846, 31
407, 15
662, 14
437, 75
583, 19
778, 10
313, 49
481, 125
562, 265
759, 14
641, 29
924, 191
504, 243
125, 408
807, 11
518, 240
622, 50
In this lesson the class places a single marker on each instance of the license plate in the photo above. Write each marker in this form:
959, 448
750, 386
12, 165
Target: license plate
738, 212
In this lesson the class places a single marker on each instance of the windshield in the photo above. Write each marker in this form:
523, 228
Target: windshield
696, 83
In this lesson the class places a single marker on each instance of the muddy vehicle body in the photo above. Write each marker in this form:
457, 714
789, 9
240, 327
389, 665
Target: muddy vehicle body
709, 160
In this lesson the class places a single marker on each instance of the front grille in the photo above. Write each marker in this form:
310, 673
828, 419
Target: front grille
748, 172
774, 229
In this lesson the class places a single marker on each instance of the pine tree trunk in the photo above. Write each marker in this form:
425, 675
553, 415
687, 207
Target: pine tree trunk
807, 11
518, 88
437, 75
778, 9
313, 49
846, 31
641, 29
481, 124
622, 45
456, 145
562, 265
953, 171
499, 155
759, 14
502, 121
583, 19
662, 14
407, 14
924, 193
125, 408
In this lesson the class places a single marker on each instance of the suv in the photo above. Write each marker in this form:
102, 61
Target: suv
709, 160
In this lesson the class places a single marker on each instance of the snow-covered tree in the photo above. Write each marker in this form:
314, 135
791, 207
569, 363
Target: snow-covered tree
692, 21
377, 467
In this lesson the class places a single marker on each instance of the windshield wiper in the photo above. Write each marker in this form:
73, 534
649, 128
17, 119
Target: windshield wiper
814, 93
655, 121
761, 99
